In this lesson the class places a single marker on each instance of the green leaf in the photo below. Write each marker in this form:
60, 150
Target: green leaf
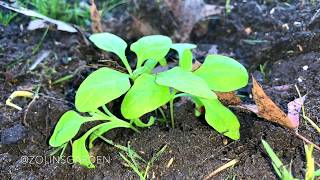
185, 54
107, 127
151, 47
221, 118
66, 128
186, 82
110, 42
222, 73
99, 88
317, 173
80, 153
144, 96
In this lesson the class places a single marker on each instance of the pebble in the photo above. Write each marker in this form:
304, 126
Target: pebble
305, 67
13, 134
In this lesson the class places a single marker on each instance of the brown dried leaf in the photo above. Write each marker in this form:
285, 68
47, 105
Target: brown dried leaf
268, 110
196, 65
95, 18
228, 98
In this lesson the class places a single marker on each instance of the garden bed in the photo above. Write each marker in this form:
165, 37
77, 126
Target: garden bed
280, 35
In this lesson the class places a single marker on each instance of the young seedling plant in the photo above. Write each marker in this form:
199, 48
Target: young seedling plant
145, 91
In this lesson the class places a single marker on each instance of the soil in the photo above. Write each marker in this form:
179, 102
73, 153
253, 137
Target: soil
286, 40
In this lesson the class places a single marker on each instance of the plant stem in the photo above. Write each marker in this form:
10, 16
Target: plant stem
171, 112
162, 113
171, 107
106, 110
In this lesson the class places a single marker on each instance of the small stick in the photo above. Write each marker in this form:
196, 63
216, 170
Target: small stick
306, 140
221, 168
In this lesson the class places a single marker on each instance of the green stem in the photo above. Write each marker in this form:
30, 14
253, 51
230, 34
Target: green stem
171, 107
126, 64
162, 113
63, 150
106, 110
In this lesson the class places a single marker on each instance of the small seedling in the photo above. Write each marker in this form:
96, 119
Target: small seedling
136, 162
145, 91
262, 68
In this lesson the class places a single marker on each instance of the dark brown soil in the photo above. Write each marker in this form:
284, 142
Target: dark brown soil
196, 148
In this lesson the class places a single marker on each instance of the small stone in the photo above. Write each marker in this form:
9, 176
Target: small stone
297, 24
300, 79
305, 67
13, 134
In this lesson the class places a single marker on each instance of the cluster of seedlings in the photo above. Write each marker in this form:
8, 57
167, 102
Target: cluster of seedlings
146, 91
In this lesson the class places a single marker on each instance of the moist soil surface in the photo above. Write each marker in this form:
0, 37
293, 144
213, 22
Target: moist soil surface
282, 36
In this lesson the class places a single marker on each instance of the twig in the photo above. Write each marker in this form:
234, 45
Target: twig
306, 140
221, 168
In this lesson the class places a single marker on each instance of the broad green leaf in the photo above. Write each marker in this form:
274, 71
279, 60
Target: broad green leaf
144, 96
101, 87
66, 128
151, 47
80, 153
222, 73
221, 118
185, 81
107, 127
110, 42
185, 54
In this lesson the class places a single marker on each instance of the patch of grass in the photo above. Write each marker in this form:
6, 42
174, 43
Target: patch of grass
76, 12
285, 174
6, 17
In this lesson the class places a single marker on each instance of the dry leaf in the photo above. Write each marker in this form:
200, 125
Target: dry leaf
95, 18
196, 65
268, 110
294, 108
228, 98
